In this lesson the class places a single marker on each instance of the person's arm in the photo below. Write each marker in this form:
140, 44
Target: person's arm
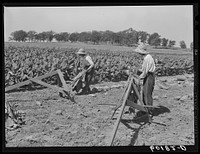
89, 59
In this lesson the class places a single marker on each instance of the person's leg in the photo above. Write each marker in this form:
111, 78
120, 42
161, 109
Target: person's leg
144, 91
149, 90
90, 76
88, 79
84, 89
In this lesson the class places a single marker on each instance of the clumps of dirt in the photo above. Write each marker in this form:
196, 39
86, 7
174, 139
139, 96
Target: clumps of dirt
55, 121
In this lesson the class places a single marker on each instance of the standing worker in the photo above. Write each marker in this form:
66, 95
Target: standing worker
85, 63
147, 76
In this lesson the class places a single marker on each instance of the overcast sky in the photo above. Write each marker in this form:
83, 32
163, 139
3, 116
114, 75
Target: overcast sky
172, 22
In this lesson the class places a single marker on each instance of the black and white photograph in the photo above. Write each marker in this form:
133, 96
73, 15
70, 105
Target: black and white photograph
100, 76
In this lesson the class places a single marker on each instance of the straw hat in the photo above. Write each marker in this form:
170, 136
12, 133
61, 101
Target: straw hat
81, 52
141, 49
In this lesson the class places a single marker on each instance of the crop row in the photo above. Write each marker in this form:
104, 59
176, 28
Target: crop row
22, 63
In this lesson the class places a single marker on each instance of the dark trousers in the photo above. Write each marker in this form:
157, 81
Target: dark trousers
148, 87
88, 78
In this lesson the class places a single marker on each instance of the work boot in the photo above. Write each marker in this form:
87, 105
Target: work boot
150, 111
60, 94
89, 90
86, 90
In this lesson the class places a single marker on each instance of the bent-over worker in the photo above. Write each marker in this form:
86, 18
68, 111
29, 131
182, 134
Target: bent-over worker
86, 63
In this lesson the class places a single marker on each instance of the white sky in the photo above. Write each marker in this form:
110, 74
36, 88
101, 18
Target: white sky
172, 22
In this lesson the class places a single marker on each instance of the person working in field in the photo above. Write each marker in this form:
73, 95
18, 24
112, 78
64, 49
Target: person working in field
147, 76
86, 64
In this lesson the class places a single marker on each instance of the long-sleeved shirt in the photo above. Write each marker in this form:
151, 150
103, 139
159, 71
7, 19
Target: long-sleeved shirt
89, 59
147, 66
85, 63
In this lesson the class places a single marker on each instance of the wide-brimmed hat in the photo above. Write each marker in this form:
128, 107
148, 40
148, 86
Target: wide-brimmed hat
81, 52
141, 49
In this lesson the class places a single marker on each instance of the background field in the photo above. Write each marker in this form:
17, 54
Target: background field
55, 121
97, 47
58, 122
36, 59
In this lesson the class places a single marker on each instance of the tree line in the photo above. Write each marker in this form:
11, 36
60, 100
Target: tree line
127, 37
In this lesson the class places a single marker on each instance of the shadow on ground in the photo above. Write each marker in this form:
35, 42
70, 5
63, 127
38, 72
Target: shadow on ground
160, 110
93, 91
141, 118
141, 121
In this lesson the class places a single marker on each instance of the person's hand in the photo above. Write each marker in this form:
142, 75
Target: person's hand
139, 82
139, 71
84, 71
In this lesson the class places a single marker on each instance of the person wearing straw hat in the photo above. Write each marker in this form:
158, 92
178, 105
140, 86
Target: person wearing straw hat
147, 75
85, 63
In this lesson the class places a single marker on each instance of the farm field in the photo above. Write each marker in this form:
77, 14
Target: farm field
22, 62
54, 121
91, 46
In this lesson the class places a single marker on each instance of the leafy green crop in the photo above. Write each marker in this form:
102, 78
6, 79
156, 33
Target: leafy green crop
22, 63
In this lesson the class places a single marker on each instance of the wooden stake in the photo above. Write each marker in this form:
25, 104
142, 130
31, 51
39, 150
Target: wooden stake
141, 99
66, 87
28, 81
121, 112
59, 89
130, 86
126, 87
136, 106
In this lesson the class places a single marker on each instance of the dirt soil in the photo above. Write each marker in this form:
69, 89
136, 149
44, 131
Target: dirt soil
55, 121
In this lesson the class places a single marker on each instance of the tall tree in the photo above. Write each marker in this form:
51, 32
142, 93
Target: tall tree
107, 36
95, 37
182, 44
132, 37
73, 37
37, 37
58, 37
142, 35
122, 38
171, 43
154, 39
41, 36
19, 36
164, 42
31, 35
191, 46
10, 38
84, 37
65, 36
116, 38
49, 35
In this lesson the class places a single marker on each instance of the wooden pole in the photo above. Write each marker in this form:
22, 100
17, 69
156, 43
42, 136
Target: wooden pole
141, 99
76, 78
59, 89
136, 106
126, 87
121, 111
67, 88
58, 81
11, 112
138, 94
28, 81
